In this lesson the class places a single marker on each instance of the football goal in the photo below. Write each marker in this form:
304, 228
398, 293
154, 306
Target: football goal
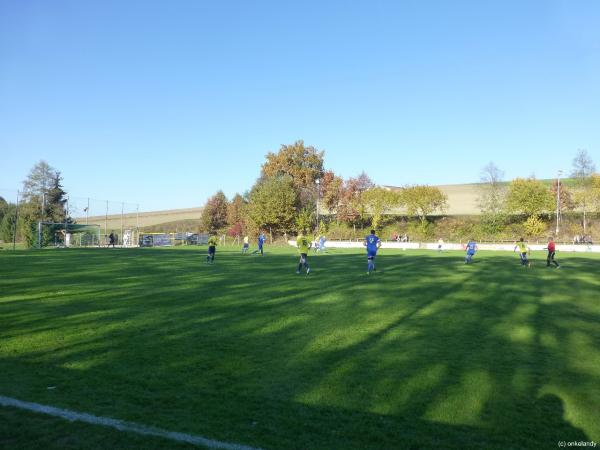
52, 234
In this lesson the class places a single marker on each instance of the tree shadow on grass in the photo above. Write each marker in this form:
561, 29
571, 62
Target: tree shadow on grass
431, 353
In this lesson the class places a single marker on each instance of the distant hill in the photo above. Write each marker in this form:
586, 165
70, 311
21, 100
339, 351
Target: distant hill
462, 198
462, 201
148, 221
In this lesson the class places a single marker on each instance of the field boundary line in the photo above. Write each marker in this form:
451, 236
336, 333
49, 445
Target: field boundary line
121, 425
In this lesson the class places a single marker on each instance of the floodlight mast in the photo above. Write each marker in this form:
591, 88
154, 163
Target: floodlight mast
318, 181
122, 210
558, 201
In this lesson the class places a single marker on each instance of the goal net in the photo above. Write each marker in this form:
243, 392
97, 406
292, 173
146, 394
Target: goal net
52, 234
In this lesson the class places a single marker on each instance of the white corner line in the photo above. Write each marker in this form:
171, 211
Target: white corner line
121, 425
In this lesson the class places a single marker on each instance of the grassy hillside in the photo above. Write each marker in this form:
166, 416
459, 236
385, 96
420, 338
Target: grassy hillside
462, 201
462, 198
149, 220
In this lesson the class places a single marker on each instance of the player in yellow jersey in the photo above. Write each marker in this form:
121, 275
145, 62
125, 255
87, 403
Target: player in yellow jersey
246, 244
212, 249
523, 252
303, 245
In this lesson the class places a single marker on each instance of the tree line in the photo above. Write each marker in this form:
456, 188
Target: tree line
295, 192
294, 187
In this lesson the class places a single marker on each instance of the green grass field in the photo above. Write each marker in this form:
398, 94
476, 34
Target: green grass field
425, 353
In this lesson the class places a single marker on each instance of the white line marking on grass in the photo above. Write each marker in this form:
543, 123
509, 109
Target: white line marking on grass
121, 425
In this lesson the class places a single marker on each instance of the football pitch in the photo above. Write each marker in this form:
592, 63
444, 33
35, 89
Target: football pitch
424, 353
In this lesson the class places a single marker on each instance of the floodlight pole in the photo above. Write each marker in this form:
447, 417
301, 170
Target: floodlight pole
66, 221
318, 195
106, 221
87, 211
122, 208
558, 200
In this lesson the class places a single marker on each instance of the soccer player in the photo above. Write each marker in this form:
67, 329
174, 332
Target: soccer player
322, 241
303, 245
551, 252
523, 250
372, 243
246, 245
471, 249
212, 249
261, 242
111, 239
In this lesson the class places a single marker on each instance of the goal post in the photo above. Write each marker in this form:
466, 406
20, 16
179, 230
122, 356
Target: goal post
56, 234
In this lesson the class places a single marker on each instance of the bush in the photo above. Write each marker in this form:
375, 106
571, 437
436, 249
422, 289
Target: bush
340, 231
421, 231
534, 226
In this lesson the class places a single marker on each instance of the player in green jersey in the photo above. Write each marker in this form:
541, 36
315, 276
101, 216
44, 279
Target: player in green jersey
212, 249
523, 252
303, 245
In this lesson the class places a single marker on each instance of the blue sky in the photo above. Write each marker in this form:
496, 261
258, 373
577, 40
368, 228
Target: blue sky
161, 103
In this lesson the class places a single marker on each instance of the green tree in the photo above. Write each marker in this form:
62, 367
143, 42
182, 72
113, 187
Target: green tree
214, 213
7, 224
55, 203
422, 201
27, 230
583, 169
273, 203
529, 197
3, 208
303, 164
532, 198
44, 199
304, 220
40, 179
378, 201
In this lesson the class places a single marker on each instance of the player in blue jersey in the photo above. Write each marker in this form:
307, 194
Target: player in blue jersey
372, 243
261, 241
471, 249
322, 241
